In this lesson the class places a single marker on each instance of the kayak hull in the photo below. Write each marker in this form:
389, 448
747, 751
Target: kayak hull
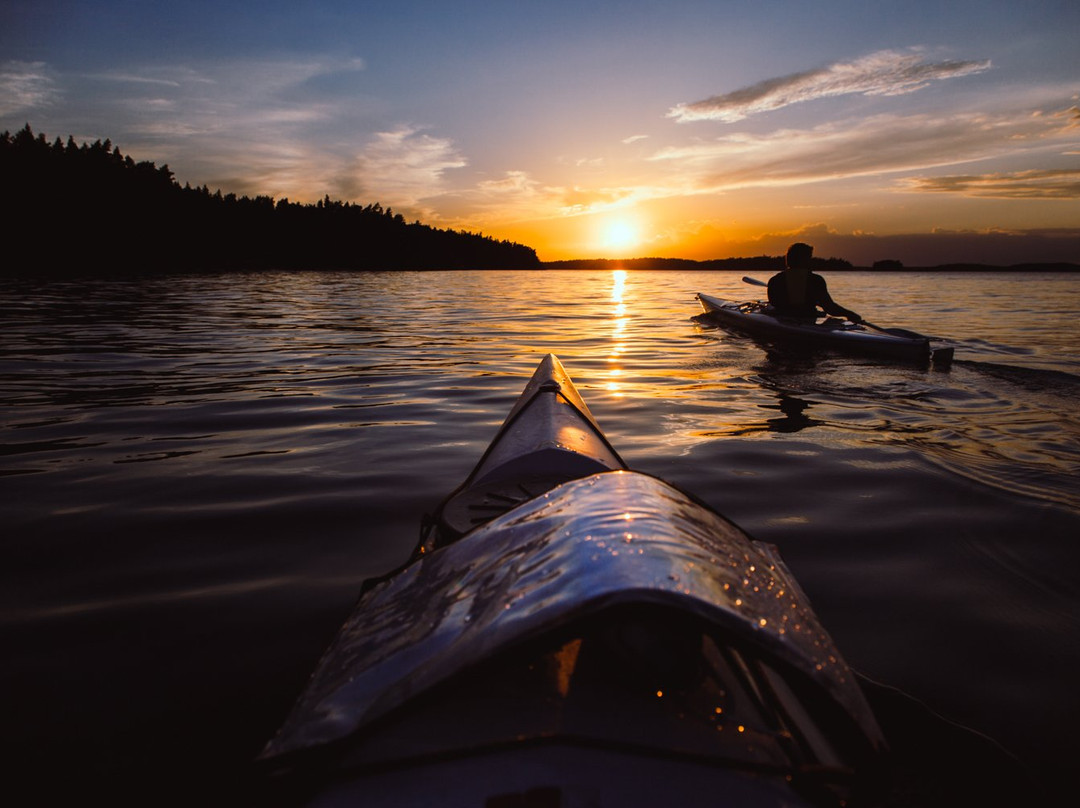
756, 320
610, 641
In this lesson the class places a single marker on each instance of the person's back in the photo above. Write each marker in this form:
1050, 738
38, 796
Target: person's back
798, 292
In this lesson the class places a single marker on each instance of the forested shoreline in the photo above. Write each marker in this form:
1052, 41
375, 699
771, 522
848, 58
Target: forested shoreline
102, 210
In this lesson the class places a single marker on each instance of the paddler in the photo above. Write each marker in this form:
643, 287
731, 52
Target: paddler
798, 292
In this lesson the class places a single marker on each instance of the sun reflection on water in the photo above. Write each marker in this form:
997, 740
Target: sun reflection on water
618, 333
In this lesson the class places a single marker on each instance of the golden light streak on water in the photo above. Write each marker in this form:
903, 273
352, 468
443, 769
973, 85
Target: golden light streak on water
618, 334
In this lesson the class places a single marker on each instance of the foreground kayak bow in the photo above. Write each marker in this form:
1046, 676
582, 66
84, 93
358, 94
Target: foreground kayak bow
609, 641
549, 437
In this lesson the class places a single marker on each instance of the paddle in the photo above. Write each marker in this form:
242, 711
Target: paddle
896, 332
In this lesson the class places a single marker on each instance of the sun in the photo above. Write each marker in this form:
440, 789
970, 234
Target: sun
619, 234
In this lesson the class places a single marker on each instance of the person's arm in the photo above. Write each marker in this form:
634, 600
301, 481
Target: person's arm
824, 299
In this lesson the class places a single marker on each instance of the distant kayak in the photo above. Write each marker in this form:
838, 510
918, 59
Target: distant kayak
759, 320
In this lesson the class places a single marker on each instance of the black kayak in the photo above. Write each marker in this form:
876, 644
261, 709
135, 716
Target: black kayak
757, 319
573, 633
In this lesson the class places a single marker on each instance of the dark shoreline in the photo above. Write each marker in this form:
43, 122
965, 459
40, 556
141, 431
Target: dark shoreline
770, 264
123, 272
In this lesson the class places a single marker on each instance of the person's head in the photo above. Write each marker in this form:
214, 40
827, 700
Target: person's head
798, 256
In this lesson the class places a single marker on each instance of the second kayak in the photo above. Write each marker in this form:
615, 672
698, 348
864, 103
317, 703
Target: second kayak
758, 320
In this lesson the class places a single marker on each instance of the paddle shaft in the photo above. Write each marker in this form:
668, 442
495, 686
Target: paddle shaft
896, 332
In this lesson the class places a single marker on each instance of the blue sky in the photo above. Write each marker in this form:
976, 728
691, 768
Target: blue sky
924, 131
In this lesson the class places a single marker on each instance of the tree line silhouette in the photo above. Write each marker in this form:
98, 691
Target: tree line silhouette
88, 207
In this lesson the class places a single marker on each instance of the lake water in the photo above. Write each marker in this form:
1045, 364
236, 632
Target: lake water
198, 471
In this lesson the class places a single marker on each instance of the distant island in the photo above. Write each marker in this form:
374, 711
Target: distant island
102, 210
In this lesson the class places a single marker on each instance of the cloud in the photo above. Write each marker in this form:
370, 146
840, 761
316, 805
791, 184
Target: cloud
237, 126
513, 182
881, 144
517, 196
336, 79
404, 165
1035, 184
285, 128
883, 73
585, 200
634, 139
26, 86
873, 147
121, 78
514, 196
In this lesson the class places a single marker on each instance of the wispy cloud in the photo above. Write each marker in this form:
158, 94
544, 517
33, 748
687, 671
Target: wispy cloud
887, 72
1045, 184
881, 144
876, 146
518, 196
406, 165
132, 78
26, 86
239, 126
285, 128
587, 200
514, 196
513, 182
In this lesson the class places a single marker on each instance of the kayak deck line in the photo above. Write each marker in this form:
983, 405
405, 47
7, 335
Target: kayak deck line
549, 437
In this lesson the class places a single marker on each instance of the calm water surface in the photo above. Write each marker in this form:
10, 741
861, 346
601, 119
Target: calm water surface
197, 472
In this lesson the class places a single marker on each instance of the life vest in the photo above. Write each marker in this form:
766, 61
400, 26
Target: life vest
797, 283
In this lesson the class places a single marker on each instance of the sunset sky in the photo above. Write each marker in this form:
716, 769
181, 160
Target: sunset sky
927, 132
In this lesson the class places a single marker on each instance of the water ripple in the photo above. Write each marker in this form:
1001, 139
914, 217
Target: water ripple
213, 463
